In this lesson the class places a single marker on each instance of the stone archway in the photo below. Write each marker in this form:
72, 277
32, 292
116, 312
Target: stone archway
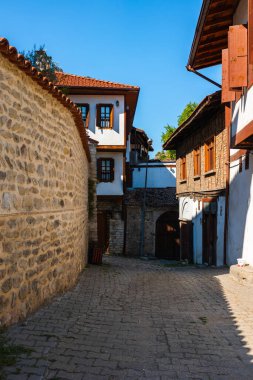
167, 236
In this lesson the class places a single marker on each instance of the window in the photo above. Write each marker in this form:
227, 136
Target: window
105, 169
105, 115
196, 161
209, 155
85, 113
183, 168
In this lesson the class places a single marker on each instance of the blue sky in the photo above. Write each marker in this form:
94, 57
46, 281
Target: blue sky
139, 42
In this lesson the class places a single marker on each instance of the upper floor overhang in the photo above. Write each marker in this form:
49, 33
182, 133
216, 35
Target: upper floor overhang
211, 34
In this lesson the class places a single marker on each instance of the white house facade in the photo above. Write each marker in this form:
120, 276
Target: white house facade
108, 110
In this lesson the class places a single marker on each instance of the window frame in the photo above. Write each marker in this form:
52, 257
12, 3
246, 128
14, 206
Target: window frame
110, 173
210, 146
98, 116
183, 169
87, 106
197, 161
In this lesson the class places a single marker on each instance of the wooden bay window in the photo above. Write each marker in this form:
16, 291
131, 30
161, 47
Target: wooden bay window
105, 169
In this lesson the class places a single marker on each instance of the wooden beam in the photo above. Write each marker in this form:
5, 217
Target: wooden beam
111, 148
250, 43
239, 139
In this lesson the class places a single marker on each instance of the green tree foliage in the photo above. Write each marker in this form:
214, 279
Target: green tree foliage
42, 62
171, 154
188, 110
168, 154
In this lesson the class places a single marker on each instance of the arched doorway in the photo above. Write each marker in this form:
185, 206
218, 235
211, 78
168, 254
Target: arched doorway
167, 236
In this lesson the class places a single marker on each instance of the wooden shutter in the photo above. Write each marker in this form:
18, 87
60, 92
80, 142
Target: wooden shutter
250, 42
237, 53
111, 169
98, 115
227, 95
111, 116
99, 169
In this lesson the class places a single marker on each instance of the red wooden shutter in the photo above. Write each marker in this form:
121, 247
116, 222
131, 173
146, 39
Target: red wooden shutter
99, 169
98, 116
250, 42
111, 169
237, 52
226, 95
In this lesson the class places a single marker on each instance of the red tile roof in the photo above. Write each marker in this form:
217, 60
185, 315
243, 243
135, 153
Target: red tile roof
12, 55
70, 80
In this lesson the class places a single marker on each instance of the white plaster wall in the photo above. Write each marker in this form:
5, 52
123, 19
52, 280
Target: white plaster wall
240, 222
115, 136
115, 187
190, 209
241, 13
242, 111
157, 177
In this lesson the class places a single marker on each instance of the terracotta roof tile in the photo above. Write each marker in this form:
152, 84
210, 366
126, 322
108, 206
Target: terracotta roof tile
70, 80
19, 60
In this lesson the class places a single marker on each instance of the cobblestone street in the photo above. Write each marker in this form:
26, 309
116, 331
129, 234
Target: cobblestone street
132, 319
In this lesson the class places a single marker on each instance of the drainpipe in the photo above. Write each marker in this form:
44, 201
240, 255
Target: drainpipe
192, 70
143, 255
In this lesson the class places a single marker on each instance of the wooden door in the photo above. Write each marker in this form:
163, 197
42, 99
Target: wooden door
186, 240
103, 231
167, 236
209, 229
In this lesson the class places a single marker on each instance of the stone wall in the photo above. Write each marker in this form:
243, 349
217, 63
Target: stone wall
158, 201
115, 222
214, 126
133, 229
43, 198
92, 193
116, 244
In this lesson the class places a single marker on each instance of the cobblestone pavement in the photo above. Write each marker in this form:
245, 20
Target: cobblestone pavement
131, 319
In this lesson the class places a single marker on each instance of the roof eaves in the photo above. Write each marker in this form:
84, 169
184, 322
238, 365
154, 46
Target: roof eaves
170, 143
201, 20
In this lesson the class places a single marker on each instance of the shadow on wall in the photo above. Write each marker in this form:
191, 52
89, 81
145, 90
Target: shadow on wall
240, 237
